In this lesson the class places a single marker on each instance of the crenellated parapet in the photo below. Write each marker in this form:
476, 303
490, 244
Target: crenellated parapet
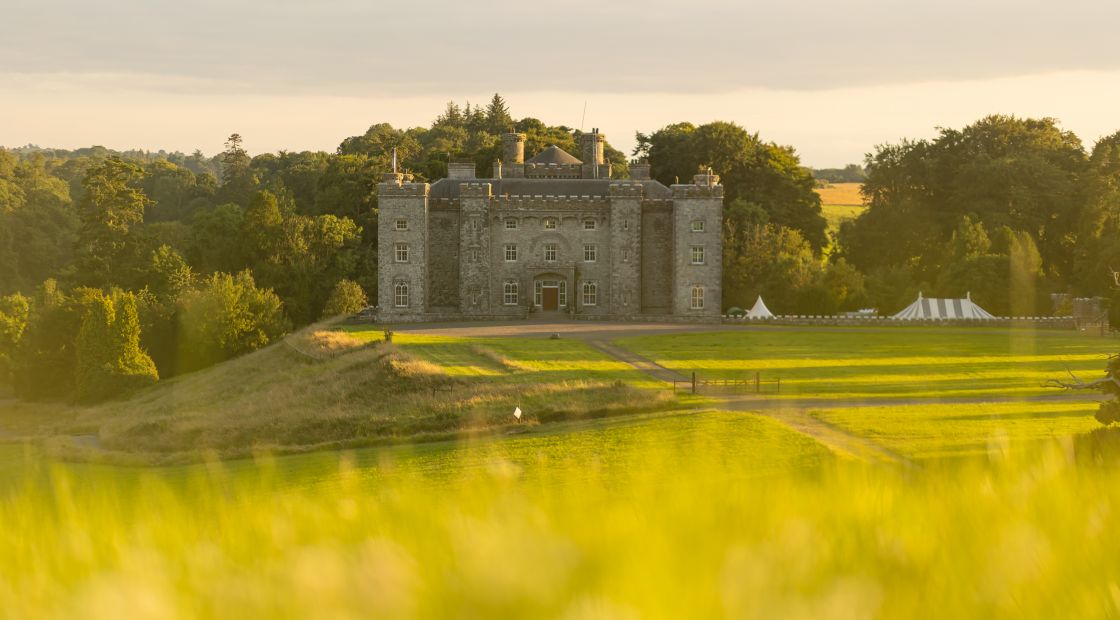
697, 191
626, 189
474, 190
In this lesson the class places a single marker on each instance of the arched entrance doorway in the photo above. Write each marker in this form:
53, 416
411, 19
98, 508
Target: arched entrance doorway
550, 293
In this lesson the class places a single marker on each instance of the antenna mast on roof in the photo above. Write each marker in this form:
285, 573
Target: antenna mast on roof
583, 119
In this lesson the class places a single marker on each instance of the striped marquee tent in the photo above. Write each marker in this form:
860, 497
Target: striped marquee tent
933, 308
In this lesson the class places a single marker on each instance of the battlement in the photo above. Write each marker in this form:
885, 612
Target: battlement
626, 190
550, 203
414, 190
474, 190
697, 191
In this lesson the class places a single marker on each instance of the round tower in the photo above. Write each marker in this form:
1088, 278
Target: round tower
513, 148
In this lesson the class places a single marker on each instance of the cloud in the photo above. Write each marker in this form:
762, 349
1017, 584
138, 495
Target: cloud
352, 48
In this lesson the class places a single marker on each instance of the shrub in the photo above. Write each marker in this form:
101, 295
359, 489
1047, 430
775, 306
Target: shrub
346, 298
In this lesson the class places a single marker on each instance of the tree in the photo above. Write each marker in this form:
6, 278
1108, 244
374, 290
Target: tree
14, 314
1024, 174
762, 173
346, 298
238, 180
112, 204
229, 316
108, 358
498, 119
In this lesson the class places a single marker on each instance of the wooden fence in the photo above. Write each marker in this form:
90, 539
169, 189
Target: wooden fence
755, 384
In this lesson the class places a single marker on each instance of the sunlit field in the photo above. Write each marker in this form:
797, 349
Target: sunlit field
885, 363
991, 509
706, 517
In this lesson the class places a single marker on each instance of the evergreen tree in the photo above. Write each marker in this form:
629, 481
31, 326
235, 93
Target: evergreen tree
108, 357
498, 119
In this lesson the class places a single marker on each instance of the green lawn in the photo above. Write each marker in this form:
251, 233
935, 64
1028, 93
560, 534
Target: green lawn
517, 360
929, 431
884, 363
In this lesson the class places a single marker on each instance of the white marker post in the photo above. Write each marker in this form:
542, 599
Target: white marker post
517, 414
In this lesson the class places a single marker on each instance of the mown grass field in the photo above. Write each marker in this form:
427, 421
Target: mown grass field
884, 363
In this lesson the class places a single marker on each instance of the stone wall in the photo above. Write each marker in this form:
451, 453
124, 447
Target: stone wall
626, 248
657, 258
443, 259
400, 200
697, 203
474, 249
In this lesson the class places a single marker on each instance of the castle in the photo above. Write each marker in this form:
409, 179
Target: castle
553, 234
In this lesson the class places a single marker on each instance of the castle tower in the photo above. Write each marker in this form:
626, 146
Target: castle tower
626, 247
697, 246
474, 248
402, 247
591, 148
513, 156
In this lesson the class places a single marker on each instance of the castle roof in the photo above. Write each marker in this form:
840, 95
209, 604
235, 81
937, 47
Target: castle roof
554, 155
449, 188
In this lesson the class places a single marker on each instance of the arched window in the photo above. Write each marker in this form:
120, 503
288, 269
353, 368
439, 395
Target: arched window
509, 293
697, 300
590, 293
400, 294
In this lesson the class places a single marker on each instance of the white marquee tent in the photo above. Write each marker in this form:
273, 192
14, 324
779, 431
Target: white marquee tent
759, 310
934, 308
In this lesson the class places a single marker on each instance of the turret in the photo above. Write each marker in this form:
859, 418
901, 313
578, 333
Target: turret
592, 153
513, 148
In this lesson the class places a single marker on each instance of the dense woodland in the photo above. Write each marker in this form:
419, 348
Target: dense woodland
117, 269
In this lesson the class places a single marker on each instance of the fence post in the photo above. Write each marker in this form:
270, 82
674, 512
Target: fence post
694, 382
778, 388
757, 382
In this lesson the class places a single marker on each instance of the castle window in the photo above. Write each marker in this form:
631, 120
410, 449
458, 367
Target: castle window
473, 255
550, 252
589, 224
402, 224
590, 293
697, 252
625, 224
511, 224
697, 225
511, 252
400, 294
550, 223
590, 253
401, 251
697, 300
509, 293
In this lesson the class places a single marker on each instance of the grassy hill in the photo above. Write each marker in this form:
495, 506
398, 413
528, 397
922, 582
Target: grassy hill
322, 389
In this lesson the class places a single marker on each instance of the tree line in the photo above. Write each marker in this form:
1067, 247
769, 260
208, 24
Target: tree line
117, 269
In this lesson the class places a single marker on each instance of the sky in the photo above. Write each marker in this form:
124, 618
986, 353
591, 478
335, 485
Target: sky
832, 79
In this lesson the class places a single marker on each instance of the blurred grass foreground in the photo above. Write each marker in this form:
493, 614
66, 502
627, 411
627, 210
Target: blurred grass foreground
676, 516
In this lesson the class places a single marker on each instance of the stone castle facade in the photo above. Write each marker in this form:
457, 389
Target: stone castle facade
554, 234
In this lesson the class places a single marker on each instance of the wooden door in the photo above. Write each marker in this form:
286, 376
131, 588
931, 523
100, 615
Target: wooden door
550, 298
